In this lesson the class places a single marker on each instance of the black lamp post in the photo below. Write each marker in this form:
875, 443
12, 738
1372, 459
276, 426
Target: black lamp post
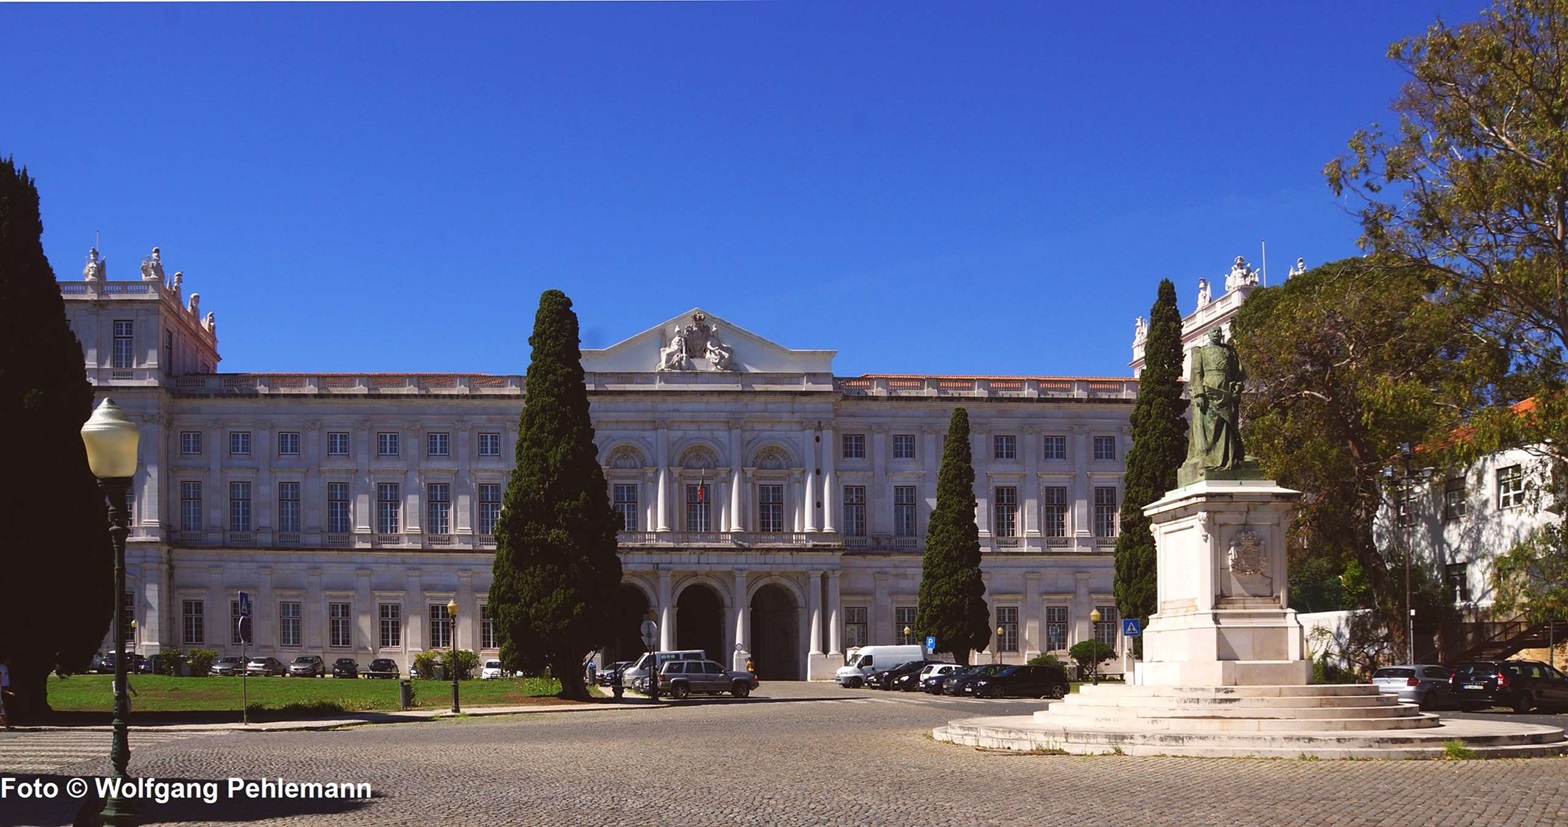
451, 613
1094, 651
110, 438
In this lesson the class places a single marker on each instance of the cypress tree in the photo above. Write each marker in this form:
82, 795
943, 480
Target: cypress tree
556, 571
952, 591
1159, 445
57, 586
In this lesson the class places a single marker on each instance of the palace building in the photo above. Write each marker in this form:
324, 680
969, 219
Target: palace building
771, 507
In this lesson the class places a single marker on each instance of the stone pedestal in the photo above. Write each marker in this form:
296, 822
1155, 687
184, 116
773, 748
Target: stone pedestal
1222, 618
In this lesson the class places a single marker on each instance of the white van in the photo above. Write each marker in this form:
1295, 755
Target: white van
631, 675
868, 659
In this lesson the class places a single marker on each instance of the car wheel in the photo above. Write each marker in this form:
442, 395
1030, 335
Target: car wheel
742, 689
1523, 702
1057, 692
856, 683
679, 691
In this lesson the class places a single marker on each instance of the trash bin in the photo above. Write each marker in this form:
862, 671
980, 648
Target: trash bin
591, 670
406, 693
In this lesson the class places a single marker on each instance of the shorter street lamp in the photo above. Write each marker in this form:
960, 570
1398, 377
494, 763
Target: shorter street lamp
110, 439
907, 632
1094, 651
999, 631
451, 613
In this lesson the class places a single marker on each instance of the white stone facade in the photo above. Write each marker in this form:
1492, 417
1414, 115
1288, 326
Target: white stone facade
771, 507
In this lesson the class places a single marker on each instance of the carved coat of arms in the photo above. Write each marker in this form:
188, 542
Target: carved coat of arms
1246, 554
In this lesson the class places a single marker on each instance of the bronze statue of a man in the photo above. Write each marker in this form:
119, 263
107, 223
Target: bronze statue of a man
1214, 384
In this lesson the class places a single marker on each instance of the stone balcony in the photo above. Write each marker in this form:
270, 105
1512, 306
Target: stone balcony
988, 387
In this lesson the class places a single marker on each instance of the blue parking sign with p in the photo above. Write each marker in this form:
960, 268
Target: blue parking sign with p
1131, 627
930, 643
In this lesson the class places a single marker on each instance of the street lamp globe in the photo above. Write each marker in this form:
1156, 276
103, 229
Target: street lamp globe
451, 608
110, 438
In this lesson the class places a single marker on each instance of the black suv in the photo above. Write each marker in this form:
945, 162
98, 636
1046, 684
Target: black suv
1020, 681
1520, 684
345, 668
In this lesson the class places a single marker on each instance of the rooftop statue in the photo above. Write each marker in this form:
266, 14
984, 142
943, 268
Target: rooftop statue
673, 355
1204, 297
152, 267
96, 267
1241, 275
719, 355
1140, 330
1299, 267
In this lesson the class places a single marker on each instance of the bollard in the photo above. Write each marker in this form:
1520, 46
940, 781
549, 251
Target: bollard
406, 693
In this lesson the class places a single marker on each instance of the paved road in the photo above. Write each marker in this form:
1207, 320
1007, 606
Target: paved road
794, 754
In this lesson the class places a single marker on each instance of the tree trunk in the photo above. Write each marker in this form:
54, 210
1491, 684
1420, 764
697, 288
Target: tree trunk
574, 686
30, 699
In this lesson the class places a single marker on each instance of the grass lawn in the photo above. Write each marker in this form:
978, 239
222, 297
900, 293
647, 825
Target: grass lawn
161, 693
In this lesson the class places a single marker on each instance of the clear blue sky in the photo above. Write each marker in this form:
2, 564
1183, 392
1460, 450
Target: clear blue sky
962, 188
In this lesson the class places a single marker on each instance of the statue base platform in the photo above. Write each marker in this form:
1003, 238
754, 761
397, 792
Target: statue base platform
1192, 471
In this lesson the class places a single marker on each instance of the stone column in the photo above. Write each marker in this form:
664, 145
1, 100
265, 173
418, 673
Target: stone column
742, 613
463, 491
814, 606
829, 484
468, 611
264, 613
1081, 493
1029, 515
1033, 624
264, 494
313, 611
808, 504
880, 612
980, 446
365, 495
736, 521
835, 621
1083, 604
413, 495
313, 495
662, 458
414, 616
666, 612
367, 614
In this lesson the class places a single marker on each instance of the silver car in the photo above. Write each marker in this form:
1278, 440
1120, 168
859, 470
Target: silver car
685, 677
1422, 684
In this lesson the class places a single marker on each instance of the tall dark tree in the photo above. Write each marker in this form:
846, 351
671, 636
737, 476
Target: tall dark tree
952, 591
57, 590
556, 569
1159, 445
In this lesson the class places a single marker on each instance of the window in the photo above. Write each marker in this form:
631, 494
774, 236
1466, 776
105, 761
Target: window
1105, 630
391, 625
190, 506
234, 623
903, 446
1004, 446
389, 508
440, 627
288, 507
288, 623
1007, 621
438, 444
1105, 447
337, 508
489, 507
239, 506
770, 508
191, 622
340, 625
288, 443
1405, 512
1453, 498
854, 626
698, 506
489, 445
128, 615
337, 443
1055, 628
854, 511
124, 344
1510, 487
438, 505
903, 511
1457, 580
854, 446
625, 497
486, 627
1053, 520
1005, 511
239, 443
1055, 446
1105, 511
190, 443
904, 618
387, 444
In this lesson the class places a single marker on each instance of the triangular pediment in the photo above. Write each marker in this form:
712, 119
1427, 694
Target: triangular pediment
700, 342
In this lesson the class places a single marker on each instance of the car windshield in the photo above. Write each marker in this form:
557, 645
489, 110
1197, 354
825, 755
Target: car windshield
304, 659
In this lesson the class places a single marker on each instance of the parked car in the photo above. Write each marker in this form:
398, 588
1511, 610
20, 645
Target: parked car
383, 668
308, 666
345, 668
1522, 685
134, 663
683, 677
491, 670
1422, 684
1020, 682
955, 682
611, 674
229, 666
266, 667
923, 678
883, 678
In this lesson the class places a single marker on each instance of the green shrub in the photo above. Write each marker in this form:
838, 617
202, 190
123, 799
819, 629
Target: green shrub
168, 661
425, 663
1045, 659
467, 664
200, 661
1087, 651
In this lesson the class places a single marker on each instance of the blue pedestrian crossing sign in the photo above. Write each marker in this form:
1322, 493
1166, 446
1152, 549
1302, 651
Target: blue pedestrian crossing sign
244, 604
1131, 627
930, 643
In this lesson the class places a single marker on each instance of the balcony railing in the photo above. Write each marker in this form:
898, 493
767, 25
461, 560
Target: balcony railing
369, 384
1025, 387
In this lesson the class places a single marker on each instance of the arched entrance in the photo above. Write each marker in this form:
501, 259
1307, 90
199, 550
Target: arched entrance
699, 621
775, 634
631, 609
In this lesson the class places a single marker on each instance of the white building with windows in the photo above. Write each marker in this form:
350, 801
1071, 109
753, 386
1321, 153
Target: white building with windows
770, 506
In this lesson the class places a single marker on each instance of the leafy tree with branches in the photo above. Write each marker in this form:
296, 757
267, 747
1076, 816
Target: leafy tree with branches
952, 591
57, 593
556, 571
1159, 446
